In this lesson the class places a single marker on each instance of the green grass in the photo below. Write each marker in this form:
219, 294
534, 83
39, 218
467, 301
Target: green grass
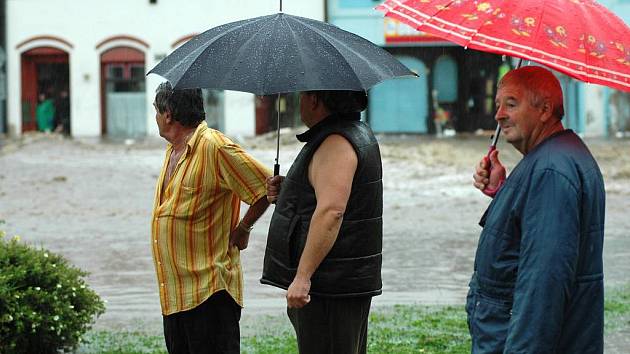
418, 329
122, 342
617, 309
399, 329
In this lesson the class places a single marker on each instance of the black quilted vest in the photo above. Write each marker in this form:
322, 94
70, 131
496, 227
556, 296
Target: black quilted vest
353, 265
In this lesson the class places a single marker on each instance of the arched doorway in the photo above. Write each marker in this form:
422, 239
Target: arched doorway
45, 77
123, 93
444, 95
400, 105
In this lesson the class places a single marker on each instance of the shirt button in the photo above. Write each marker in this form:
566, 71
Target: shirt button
154, 241
159, 263
162, 284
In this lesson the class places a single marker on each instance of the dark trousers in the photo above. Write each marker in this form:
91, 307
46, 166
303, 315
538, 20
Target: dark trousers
209, 328
332, 325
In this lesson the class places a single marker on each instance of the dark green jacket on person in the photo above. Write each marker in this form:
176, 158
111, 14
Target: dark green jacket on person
45, 114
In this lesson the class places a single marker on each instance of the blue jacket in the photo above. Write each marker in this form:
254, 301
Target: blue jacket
538, 280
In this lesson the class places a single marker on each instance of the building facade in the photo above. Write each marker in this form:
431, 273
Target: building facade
613, 106
456, 87
98, 52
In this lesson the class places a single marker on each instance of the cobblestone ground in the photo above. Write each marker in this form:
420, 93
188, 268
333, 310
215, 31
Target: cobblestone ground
91, 201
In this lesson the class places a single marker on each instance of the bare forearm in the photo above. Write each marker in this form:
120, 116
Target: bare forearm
322, 235
255, 211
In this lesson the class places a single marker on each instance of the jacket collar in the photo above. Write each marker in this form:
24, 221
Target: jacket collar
335, 117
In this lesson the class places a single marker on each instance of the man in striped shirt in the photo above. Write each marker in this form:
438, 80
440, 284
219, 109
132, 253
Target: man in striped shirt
196, 234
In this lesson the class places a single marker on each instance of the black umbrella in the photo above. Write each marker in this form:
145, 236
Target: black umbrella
278, 54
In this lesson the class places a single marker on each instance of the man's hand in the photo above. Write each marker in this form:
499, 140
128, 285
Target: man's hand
273, 187
239, 237
297, 295
489, 174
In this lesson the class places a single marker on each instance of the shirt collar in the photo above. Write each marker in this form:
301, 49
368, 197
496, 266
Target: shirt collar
202, 127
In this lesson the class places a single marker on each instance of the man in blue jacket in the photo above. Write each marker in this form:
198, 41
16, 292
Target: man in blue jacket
537, 285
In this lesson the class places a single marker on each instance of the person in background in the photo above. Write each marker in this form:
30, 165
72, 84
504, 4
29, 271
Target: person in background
45, 113
62, 113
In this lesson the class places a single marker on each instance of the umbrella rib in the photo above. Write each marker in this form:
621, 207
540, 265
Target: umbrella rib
539, 24
208, 44
242, 47
332, 41
586, 53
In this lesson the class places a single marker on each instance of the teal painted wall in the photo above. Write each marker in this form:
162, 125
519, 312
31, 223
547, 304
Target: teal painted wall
358, 17
400, 105
574, 100
445, 79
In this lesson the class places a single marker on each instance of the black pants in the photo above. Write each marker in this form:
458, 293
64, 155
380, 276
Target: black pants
211, 327
332, 325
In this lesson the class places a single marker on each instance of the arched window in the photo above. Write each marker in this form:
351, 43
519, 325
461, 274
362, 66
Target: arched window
123, 93
445, 79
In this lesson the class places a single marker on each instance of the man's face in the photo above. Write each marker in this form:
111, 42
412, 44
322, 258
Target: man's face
306, 108
519, 120
160, 119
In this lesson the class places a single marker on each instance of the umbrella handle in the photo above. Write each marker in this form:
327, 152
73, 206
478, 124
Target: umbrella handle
494, 140
276, 172
493, 144
491, 192
491, 149
276, 167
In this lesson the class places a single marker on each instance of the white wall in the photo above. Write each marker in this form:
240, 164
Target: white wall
86, 23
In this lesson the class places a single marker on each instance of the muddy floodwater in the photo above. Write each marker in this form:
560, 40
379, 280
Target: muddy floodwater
91, 201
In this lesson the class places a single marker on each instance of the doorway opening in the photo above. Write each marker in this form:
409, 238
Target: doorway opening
123, 93
45, 90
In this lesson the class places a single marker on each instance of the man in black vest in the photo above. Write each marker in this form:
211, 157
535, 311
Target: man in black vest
325, 238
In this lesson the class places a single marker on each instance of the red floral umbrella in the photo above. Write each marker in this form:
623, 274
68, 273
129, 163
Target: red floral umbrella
580, 38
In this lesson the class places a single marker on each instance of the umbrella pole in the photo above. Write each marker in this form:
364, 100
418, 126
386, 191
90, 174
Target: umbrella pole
276, 167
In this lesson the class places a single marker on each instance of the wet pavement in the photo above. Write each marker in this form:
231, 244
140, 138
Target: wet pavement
91, 201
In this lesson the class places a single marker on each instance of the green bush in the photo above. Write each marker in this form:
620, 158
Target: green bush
45, 305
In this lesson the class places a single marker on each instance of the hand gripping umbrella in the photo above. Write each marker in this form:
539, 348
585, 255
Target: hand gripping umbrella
580, 38
277, 54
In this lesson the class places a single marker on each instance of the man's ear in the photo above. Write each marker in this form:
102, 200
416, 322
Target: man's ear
546, 110
313, 101
168, 117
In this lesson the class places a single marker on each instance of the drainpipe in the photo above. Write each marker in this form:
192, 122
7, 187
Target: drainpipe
3, 68
606, 119
580, 107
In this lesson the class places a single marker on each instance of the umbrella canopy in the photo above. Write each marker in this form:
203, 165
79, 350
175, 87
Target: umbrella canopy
277, 54
580, 38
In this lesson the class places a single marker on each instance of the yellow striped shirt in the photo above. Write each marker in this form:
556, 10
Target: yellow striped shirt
192, 223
